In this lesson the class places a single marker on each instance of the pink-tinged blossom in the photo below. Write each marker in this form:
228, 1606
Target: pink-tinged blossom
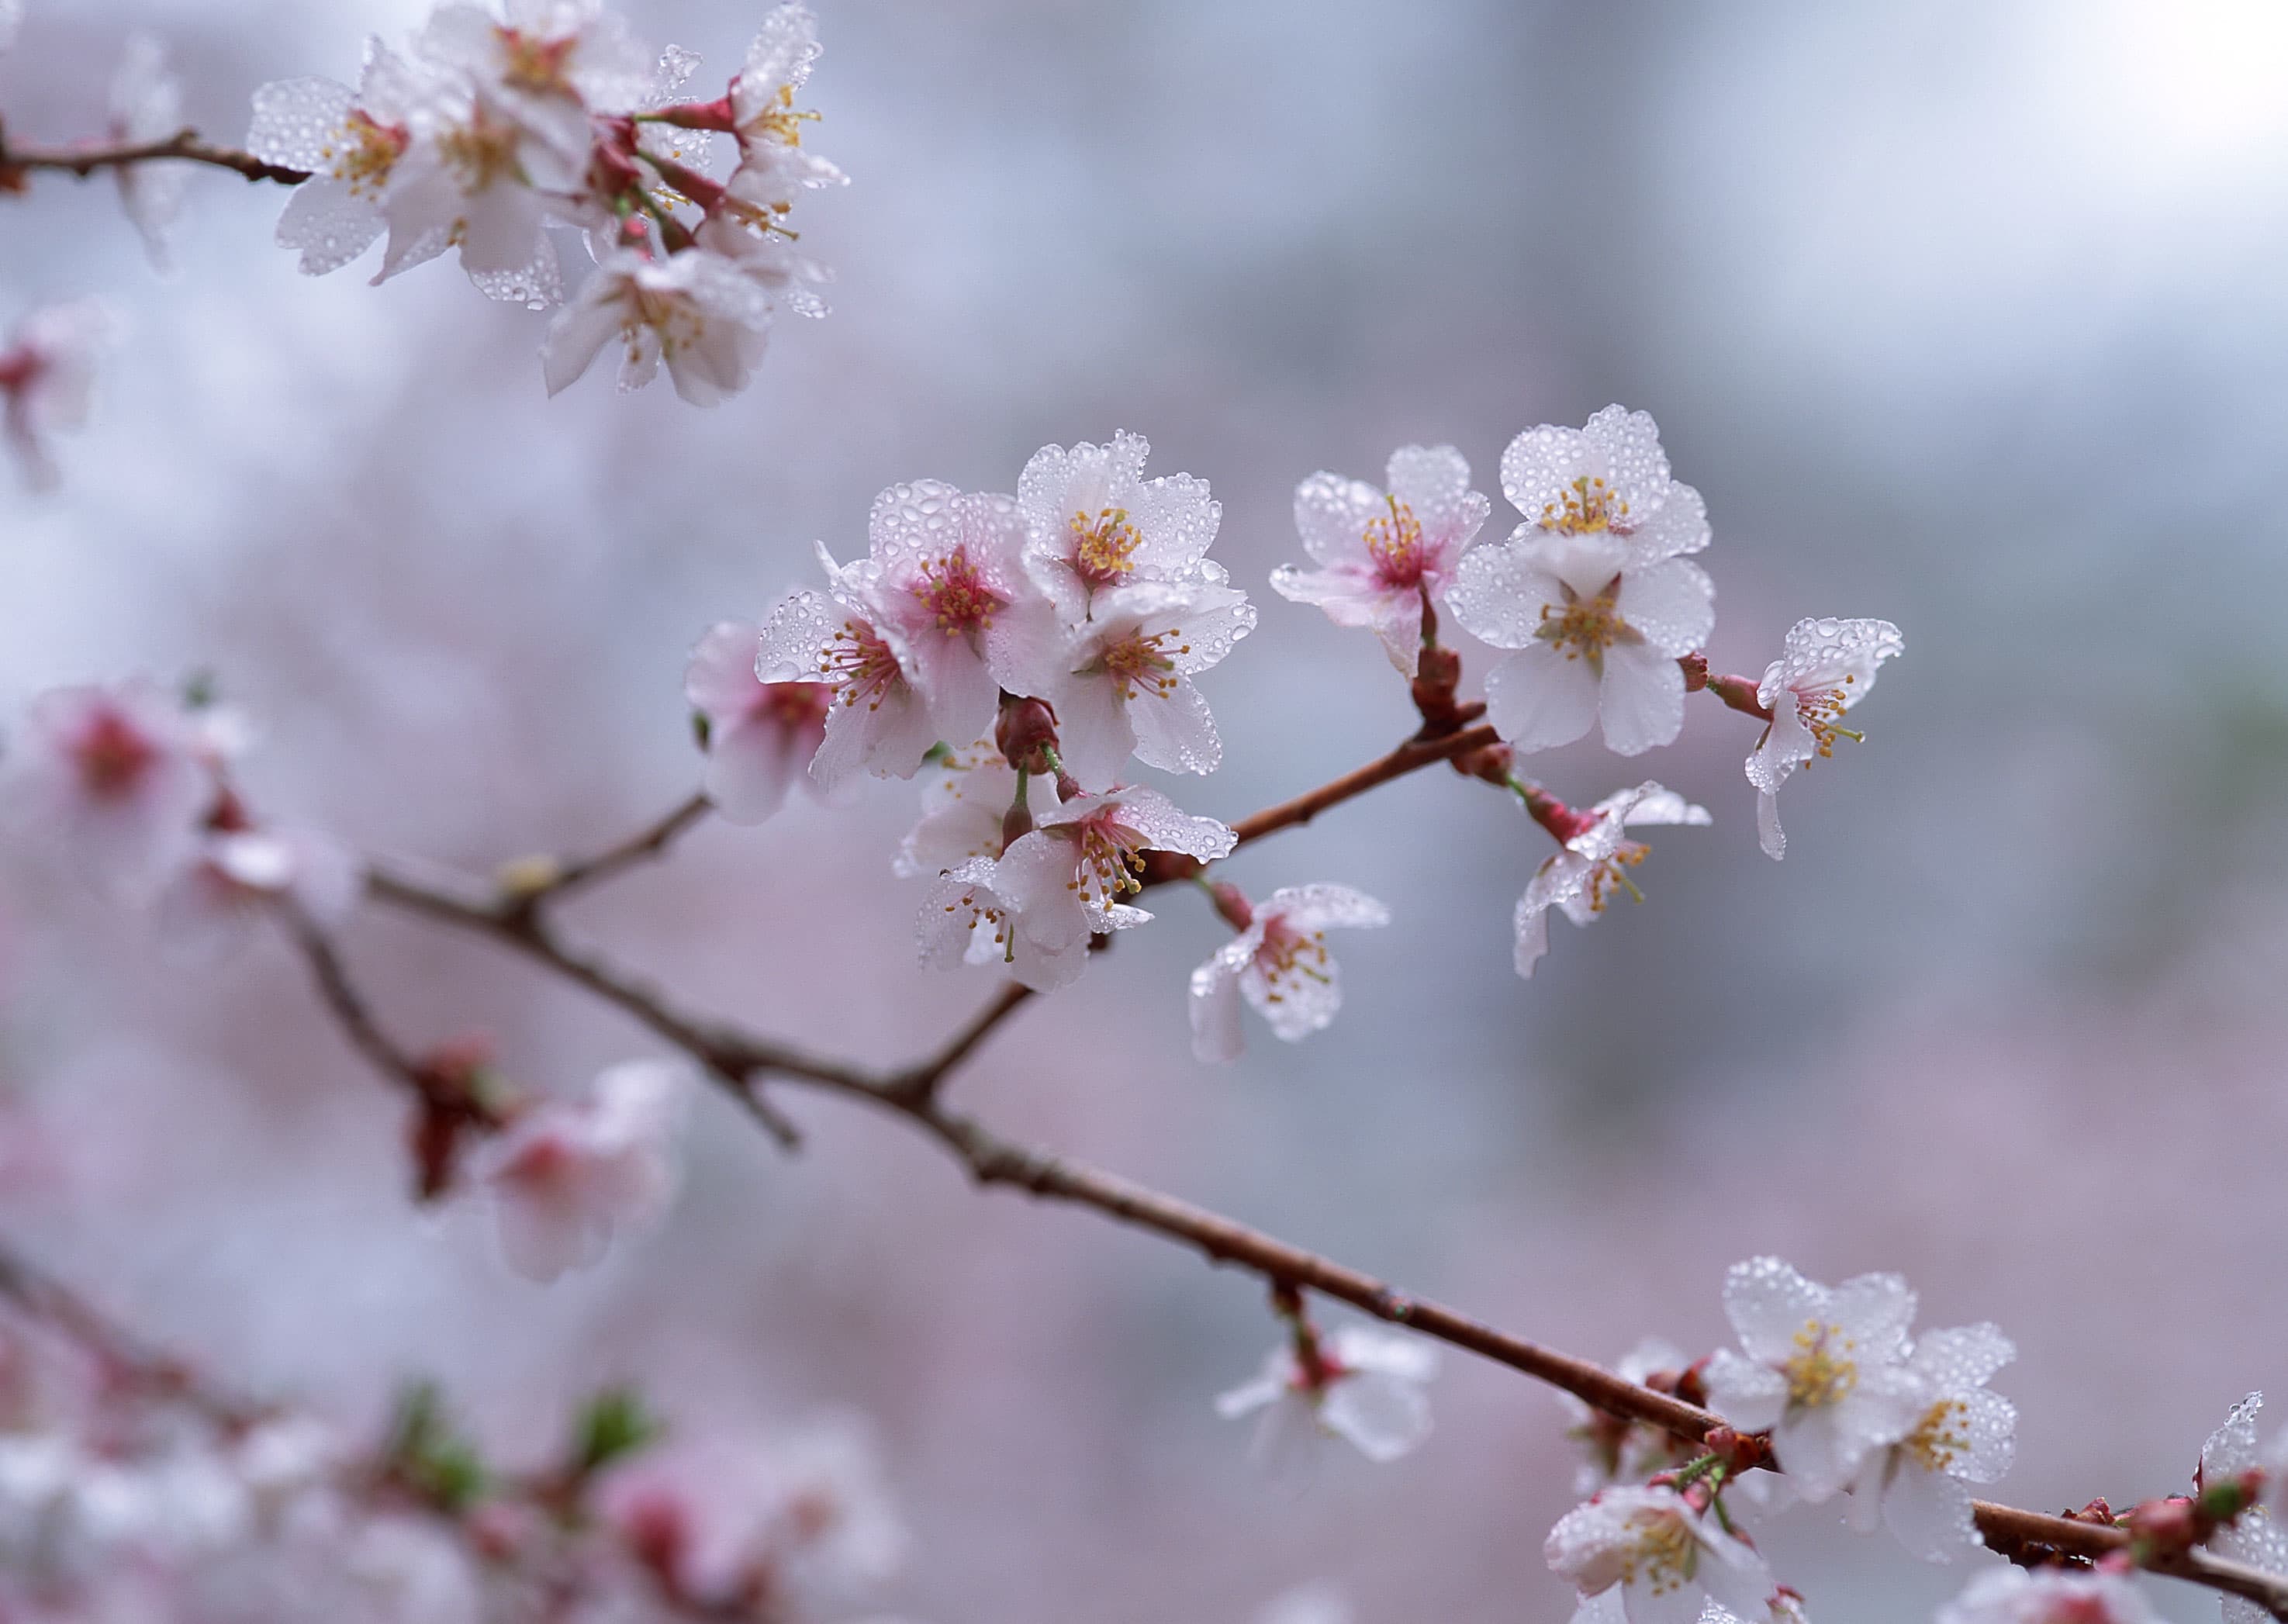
880, 721
565, 1175
1591, 589
1582, 879
2051, 1595
240, 876
1666, 1558
1098, 524
1067, 878
761, 735
967, 919
1825, 1370
47, 379
146, 105
1826, 666
759, 1528
1920, 1486
1121, 681
1279, 964
773, 164
696, 310
351, 142
1384, 555
119, 775
965, 801
1357, 1384
2255, 1536
947, 573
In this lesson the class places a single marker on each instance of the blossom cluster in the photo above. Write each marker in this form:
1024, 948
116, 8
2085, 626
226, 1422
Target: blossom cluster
127, 1491
1027, 654
490, 136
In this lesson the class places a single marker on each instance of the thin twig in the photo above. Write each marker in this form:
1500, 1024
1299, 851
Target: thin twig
562, 879
920, 1081
1411, 756
349, 1006
184, 146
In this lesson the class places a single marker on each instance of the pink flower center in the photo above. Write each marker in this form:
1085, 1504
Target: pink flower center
957, 595
1104, 548
363, 153
985, 912
794, 705
1108, 856
542, 1163
481, 152
1585, 628
535, 64
1821, 711
1289, 958
112, 757
858, 665
1394, 544
1588, 505
1141, 663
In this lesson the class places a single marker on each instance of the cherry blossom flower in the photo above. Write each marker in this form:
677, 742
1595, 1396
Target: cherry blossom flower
47, 379
1279, 964
351, 142
2255, 1537
146, 105
1921, 1485
565, 1175
495, 151
1582, 878
2048, 1595
773, 164
965, 802
879, 722
1591, 590
240, 875
1827, 667
968, 918
947, 570
1664, 1557
1357, 1384
1066, 879
1098, 524
1825, 1370
779, 1525
696, 310
1121, 683
761, 735
1385, 555
554, 62
118, 773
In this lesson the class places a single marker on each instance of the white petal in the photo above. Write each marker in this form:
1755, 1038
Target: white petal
1769, 833
1673, 603
1384, 1417
1746, 1393
1175, 732
1767, 1302
1331, 514
1215, 1009
1930, 1513
1642, 699
1537, 699
1501, 589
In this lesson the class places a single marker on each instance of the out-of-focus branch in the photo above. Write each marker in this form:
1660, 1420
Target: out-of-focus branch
537, 882
126, 1360
738, 1060
183, 146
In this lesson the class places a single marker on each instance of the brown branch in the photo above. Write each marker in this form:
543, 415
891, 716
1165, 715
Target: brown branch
349, 1006
184, 146
738, 1059
553, 880
1411, 756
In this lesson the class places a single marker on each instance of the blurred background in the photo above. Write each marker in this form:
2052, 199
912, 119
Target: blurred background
1965, 315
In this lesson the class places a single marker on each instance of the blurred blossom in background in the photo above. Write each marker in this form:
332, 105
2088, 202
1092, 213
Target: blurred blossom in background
1966, 315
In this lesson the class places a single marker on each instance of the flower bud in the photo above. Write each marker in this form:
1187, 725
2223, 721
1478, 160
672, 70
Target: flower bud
1232, 903
1026, 733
